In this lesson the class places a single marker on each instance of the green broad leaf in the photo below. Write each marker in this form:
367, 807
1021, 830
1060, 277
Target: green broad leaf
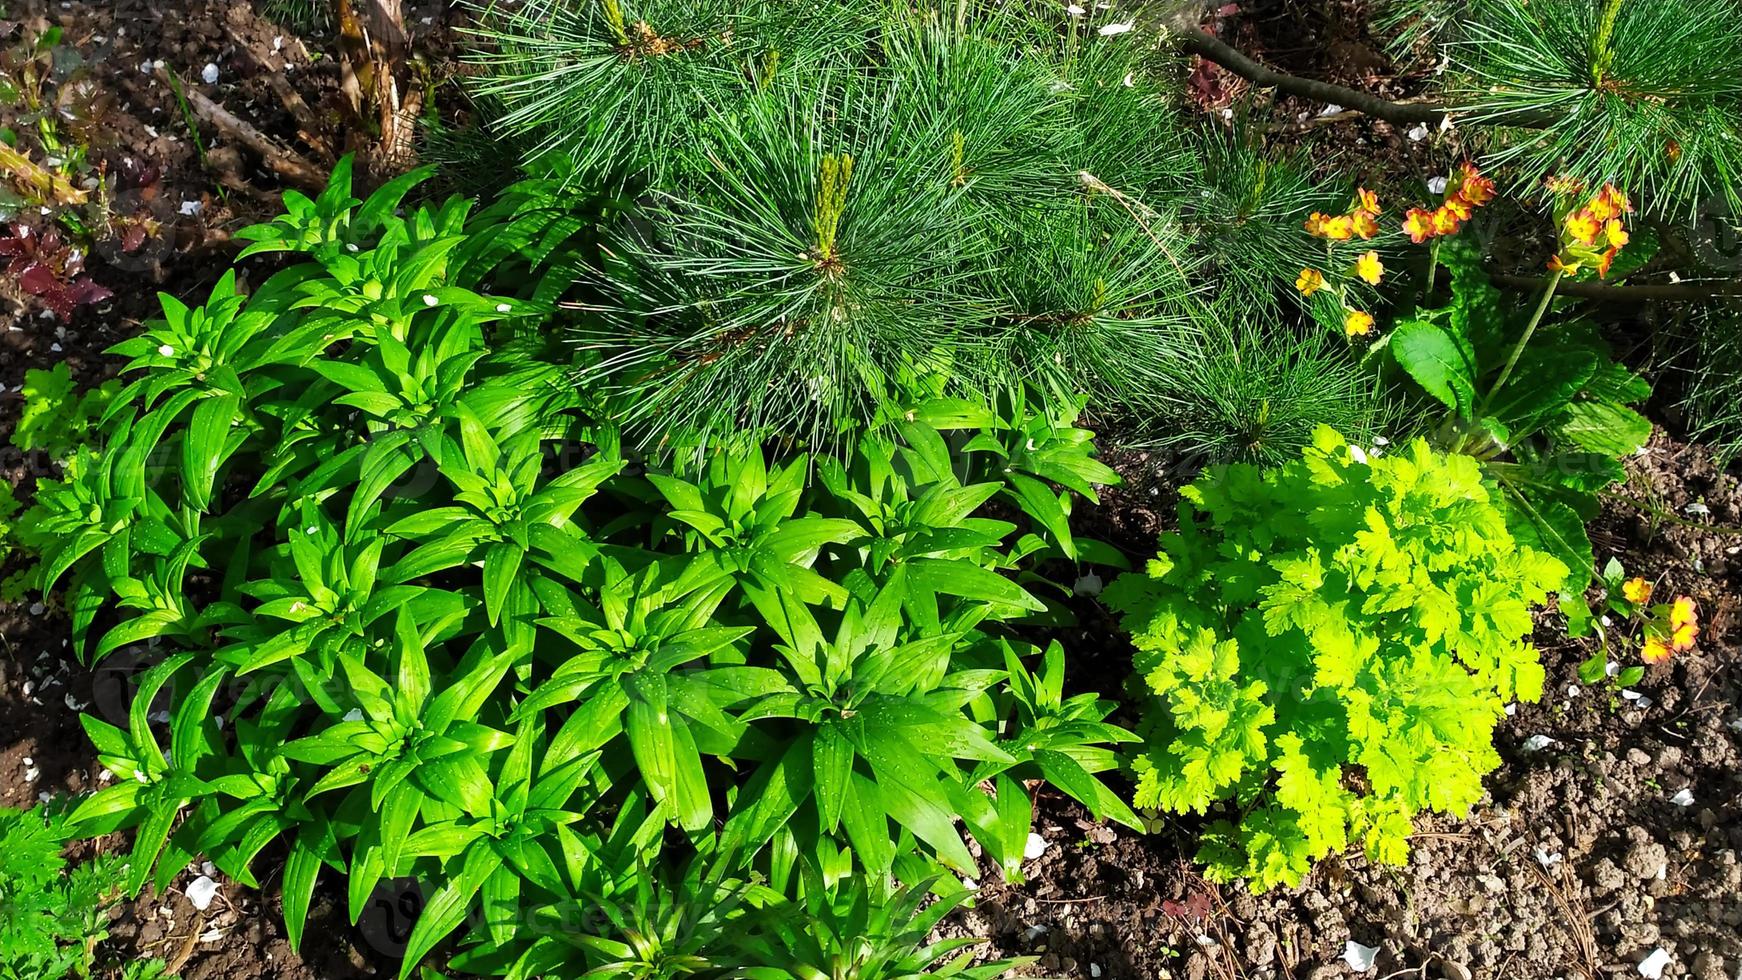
769, 799
148, 843
110, 801
501, 564
950, 413
1014, 818
447, 908
1545, 381
313, 846
832, 759
1603, 427
1443, 367
1614, 383
1551, 525
867, 824
1046, 508
204, 444
501, 900
968, 581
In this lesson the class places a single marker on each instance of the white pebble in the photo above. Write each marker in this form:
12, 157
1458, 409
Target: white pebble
1436, 185
1683, 797
1546, 857
201, 891
429, 300
1651, 968
166, 350
1360, 958
209, 74
191, 208
1536, 743
1419, 133
503, 307
1035, 848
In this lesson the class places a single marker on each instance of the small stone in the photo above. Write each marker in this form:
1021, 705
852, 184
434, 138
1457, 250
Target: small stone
201, 891
1536, 743
1360, 958
1651, 968
1683, 797
1035, 847
209, 74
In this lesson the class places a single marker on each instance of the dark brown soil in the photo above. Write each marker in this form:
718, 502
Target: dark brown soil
1578, 865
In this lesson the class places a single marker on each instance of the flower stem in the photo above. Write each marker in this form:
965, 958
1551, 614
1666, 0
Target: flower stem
1433, 264
1554, 281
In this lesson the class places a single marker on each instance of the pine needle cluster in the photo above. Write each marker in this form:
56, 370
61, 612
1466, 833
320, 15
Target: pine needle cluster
840, 208
1646, 94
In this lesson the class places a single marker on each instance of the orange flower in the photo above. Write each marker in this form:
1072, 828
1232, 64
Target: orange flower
1458, 207
1357, 322
1583, 227
1365, 224
1337, 228
1616, 233
1310, 281
1637, 590
1555, 264
1684, 636
1606, 261
1614, 199
1682, 612
1445, 222
1369, 267
1418, 225
1475, 189
1655, 651
1366, 200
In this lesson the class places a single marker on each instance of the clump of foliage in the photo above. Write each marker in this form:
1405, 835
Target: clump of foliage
1254, 391
1541, 403
823, 207
453, 631
65, 189
1712, 383
1330, 644
1641, 92
52, 917
57, 418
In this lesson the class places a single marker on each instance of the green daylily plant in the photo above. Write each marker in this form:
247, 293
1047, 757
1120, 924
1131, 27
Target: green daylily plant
415, 613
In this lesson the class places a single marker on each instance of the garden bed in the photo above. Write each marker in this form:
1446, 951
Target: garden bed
1610, 832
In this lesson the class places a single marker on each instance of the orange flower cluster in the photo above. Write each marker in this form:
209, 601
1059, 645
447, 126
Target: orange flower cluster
1465, 192
1682, 631
1362, 220
1592, 234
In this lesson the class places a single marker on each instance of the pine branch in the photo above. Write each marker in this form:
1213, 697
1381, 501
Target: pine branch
1690, 291
1213, 49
